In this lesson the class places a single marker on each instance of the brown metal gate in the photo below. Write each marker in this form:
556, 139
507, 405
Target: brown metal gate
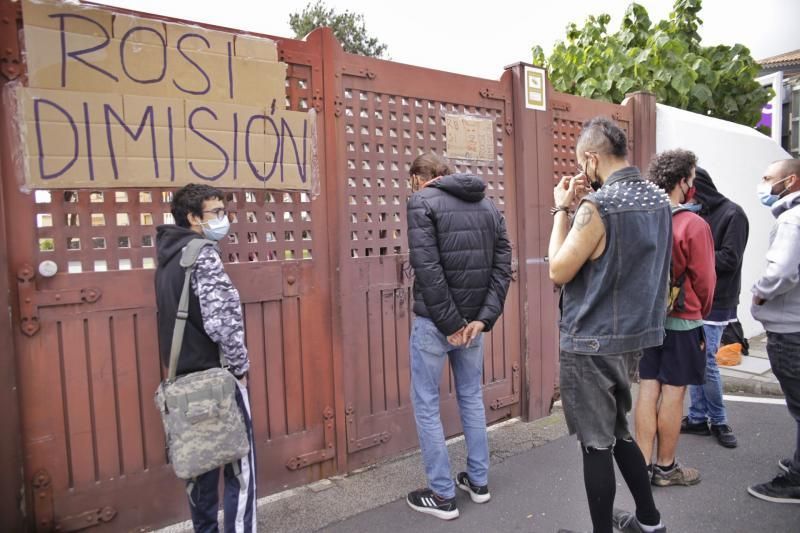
324, 281
386, 114
87, 352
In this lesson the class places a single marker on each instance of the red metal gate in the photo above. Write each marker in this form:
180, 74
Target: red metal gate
324, 282
87, 352
386, 114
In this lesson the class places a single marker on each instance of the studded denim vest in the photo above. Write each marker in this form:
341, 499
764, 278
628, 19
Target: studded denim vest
617, 302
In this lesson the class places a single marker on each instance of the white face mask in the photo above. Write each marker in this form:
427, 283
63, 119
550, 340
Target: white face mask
216, 228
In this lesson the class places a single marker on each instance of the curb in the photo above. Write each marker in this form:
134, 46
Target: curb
749, 386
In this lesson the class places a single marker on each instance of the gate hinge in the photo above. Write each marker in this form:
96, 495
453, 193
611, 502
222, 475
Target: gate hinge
42, 501
505, 401
85, 520
43, 510
30, 299
358, 72
317, 456
355, 444
10, 22
337, 106
560, 106
316, 100
507, 111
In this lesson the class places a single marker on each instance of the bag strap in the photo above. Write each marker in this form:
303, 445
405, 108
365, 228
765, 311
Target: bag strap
188, 259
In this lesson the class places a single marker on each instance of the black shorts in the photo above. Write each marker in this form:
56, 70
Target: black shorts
681, 360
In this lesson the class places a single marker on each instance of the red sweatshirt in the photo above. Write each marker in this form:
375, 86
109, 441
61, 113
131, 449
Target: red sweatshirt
693, 253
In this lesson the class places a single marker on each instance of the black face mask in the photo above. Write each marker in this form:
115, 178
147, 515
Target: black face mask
595, 185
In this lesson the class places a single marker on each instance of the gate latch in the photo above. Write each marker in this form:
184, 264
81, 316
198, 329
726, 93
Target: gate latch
30, 299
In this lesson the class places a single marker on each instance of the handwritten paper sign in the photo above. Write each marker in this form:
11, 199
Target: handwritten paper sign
114, 100
470, 137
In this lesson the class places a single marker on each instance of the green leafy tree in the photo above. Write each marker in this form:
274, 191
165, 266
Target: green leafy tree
666, 59
348, 27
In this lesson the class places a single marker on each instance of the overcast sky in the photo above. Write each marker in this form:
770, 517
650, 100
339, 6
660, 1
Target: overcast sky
480, 37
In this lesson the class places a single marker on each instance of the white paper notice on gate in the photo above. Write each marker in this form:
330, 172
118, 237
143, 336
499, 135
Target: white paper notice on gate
535, 97
117, 100
469, 137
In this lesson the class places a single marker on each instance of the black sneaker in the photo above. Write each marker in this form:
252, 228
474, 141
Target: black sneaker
427, 501
476, 493
700, 428
626, 522
785, 464
724, 435
779, 490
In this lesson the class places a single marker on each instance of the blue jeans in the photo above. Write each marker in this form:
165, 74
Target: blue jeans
429, 352
707, 399
784, 358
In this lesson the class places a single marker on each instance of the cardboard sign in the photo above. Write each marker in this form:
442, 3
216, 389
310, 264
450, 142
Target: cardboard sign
535, 97
470, 137
114, 100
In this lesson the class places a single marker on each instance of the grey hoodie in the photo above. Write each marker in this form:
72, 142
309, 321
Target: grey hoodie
780, 283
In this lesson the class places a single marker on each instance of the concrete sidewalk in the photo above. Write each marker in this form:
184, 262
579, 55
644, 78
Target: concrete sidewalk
331, 501
753, 375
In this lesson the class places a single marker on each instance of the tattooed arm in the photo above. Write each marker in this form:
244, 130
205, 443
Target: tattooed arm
571, 247
221, 309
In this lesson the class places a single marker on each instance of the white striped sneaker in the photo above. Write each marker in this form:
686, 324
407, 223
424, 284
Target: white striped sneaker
428, 502
478, 494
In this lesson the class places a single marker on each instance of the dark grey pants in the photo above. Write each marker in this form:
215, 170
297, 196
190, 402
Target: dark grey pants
784, 357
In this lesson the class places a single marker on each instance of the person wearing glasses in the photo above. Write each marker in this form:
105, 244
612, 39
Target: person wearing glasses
612, 262
215, 324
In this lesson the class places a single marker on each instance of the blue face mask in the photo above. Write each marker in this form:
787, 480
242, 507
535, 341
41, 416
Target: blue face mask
694, 208
765, 192
216, 229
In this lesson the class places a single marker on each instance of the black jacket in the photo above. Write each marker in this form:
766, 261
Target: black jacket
460, 253
198, 351
730, 229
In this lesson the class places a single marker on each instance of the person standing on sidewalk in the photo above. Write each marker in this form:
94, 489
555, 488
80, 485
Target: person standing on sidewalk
776, 304
666, 370
214, 324
729, 228
461, 256
612, 261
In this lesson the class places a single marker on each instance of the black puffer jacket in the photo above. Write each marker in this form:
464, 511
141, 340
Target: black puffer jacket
460, 253
730, 229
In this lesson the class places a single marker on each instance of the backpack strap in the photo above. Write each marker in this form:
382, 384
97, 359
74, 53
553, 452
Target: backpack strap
188, 258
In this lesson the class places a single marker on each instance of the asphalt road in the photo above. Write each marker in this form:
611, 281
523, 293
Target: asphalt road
542, 489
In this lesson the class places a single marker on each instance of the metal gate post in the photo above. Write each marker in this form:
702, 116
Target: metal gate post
644, 127
11, 443
334, 163
533, 149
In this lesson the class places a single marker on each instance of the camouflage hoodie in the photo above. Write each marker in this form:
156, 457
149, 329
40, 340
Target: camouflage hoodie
219, 303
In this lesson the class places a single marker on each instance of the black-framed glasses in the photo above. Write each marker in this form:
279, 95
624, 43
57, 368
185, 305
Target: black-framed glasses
218, 213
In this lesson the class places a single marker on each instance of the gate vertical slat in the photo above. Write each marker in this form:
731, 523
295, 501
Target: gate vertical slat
389, 326
275, 368
104, 402
143, 326
78, 410
293, 368
255, 327
131, 423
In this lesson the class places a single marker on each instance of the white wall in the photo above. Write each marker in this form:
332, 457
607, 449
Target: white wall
735, 157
